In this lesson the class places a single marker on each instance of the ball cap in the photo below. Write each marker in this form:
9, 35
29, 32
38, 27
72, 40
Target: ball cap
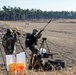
35, 30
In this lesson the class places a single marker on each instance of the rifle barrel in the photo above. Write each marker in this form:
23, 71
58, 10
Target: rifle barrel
44, 28
46, 24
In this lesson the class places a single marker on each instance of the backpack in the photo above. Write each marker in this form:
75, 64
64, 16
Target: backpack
28, 39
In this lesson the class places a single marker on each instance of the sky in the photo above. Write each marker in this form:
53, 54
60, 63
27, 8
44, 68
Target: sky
44, 5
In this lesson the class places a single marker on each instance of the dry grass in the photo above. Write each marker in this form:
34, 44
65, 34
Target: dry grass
62, 37
61, 72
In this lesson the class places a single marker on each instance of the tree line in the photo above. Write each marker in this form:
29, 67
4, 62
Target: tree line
16, 13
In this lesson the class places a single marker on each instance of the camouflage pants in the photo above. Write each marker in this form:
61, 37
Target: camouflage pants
9, 49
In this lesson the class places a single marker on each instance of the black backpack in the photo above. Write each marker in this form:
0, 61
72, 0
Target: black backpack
28, 39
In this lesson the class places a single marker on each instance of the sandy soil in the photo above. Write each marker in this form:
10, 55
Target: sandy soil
60, 34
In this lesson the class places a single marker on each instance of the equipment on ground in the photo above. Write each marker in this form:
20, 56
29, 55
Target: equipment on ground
49, 64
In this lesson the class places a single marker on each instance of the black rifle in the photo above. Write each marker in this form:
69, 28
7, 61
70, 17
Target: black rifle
47, 55
51, 54
43, 28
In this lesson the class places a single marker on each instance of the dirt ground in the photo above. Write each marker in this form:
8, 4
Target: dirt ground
60, 34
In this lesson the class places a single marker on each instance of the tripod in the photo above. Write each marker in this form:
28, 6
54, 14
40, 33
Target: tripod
42, 46
44, 42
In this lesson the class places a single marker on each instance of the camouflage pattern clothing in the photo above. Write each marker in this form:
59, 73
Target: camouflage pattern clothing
8, 42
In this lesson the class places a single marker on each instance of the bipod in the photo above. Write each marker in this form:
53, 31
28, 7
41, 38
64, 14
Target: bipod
3, 60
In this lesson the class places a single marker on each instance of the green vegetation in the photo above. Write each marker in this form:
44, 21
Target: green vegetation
9, 13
